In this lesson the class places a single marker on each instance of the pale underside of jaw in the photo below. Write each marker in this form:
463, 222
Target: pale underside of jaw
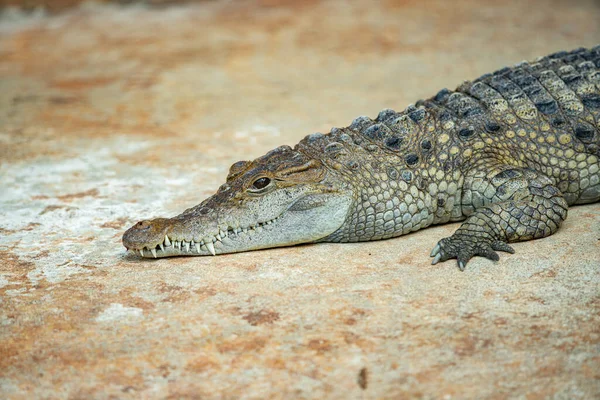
170, 247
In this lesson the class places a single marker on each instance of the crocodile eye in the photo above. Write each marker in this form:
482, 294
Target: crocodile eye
261, 183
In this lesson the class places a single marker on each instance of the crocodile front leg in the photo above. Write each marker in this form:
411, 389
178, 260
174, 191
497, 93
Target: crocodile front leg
503, 206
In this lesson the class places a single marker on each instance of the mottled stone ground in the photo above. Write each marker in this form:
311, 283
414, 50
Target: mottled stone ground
109, 115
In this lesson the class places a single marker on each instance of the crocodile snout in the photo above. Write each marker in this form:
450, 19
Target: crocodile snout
146, 233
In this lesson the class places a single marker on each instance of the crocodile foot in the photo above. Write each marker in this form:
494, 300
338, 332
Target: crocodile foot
464, 247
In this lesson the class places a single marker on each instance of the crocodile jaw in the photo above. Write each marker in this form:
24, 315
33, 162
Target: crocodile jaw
200, 236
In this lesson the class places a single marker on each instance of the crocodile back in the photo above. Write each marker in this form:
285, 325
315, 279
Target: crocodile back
543, 115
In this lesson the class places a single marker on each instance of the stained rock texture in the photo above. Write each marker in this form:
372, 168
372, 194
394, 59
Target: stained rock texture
112, 114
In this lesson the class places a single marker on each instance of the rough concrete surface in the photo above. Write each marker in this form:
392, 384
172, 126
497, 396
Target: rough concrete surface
113, 114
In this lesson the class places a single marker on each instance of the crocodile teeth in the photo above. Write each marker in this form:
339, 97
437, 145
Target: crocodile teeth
244, 230
218, 237
153, 252
187, 246
167, 241
142, 252
211, 248
162, 248
198, 248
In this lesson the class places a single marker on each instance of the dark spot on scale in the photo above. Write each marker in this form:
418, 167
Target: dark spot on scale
441, 95
393, 142
466, 133
557, 122
507, 174
584, 133
385, 114
535, 92
591, 101
572, 79
392, 173
492, 126
547, 107
426, 144
407, 176
417, 115
445, 116
411, 159
333, 148
441, 202
374, 132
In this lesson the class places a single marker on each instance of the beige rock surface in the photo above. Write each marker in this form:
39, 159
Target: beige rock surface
109, 115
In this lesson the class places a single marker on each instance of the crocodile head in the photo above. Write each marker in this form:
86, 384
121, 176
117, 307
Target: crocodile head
280, 199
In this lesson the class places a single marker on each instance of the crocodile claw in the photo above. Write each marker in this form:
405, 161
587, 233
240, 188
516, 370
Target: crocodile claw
435, 251
465, 247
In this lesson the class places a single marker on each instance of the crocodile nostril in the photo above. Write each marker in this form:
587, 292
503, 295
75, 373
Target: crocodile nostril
143, 225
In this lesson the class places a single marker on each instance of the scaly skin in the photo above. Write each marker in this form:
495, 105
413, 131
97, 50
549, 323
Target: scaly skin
507, 153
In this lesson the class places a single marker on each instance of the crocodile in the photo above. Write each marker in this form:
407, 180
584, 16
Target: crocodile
507, 153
